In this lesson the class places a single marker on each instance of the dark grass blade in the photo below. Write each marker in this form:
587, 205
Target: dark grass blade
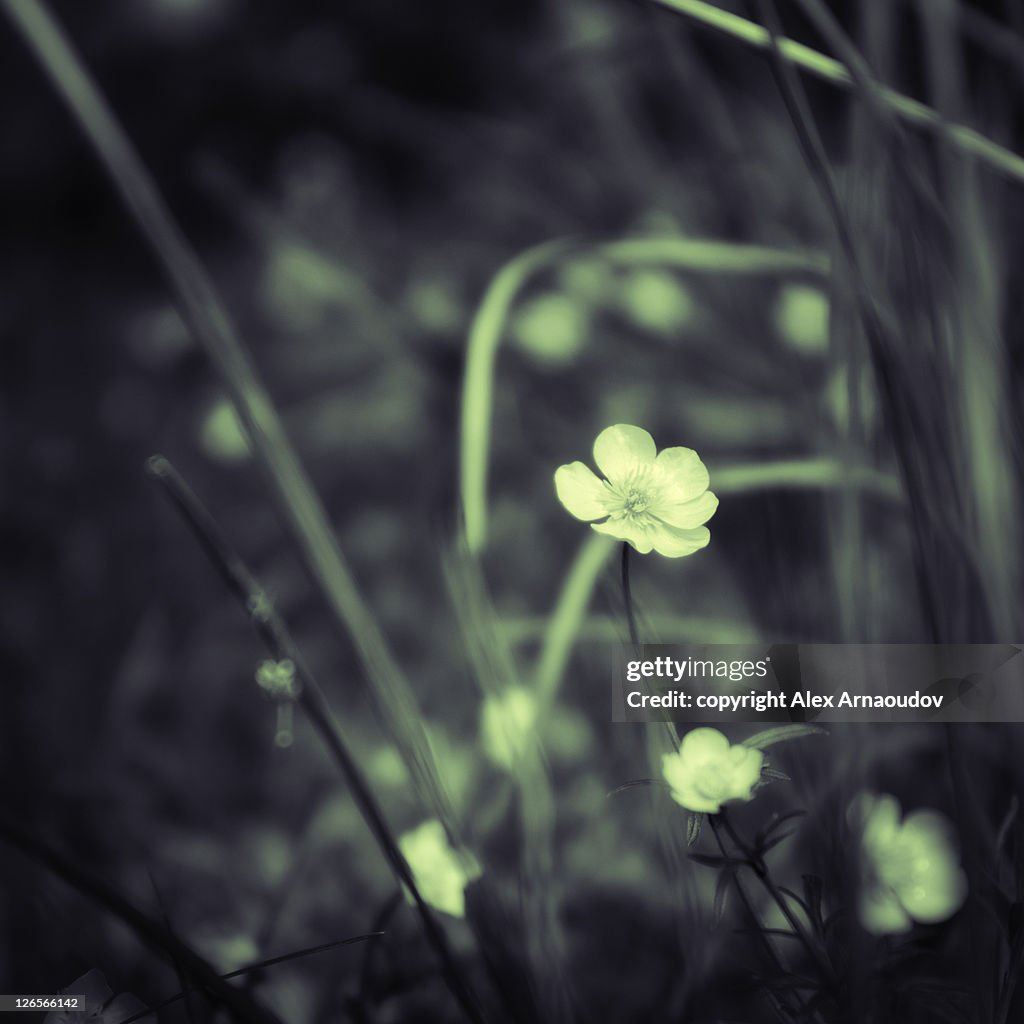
278, 641
252, 968
241, 1006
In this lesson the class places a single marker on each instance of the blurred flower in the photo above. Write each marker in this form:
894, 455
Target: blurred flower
386, 767
801, 317
911, 869
221, 436
708, 771
651, 500
435, 305
508, 725
303, 285
587, 278
657, 301
97, 1003
441, 873
277, 679
552, 328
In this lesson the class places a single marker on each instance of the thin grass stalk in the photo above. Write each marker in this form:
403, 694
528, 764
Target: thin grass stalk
382, 920
252, 969
495, 671
241, 1006
903, 418
815, 473
477, 414
966, 139
278, 641
563, 626
988, 428
179, 972
978, 404
209, 321
710, 255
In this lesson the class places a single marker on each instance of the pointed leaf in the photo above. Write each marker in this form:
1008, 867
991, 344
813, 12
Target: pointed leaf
694, 824
710, 860
813, 891
772, 843
725, 880
777, 821
635, 782
783, 734
796, 899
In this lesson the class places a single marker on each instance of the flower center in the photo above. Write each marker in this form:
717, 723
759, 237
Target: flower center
635, 503
634, 497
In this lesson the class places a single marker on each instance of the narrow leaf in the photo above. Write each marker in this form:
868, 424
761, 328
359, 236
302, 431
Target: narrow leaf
772, 843
694, 824
813, 892
783, 734
777, 821
710, 860
722, 886
635, 782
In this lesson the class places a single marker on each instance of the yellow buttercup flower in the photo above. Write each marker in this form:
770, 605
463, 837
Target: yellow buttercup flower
911, 869
708, 771
651, 500
441, 873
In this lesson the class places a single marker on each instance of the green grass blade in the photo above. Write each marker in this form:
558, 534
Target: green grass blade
210, 322
965, 138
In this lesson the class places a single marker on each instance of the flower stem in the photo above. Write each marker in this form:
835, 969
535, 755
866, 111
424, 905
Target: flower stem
277, 638
781, 1009
627, 596
760, 869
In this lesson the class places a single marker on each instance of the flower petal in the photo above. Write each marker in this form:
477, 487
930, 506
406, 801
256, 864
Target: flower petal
881, 822
936, 886
682, 473
703, 743
747, 772
581, 492
680, 777
685, 515
623, 448
673, 543
938, 897
881, 913
622, 529
690, 797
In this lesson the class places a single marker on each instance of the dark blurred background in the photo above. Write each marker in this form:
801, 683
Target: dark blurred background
353, 176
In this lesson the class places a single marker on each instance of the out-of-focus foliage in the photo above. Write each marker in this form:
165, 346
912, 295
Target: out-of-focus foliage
354, 176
